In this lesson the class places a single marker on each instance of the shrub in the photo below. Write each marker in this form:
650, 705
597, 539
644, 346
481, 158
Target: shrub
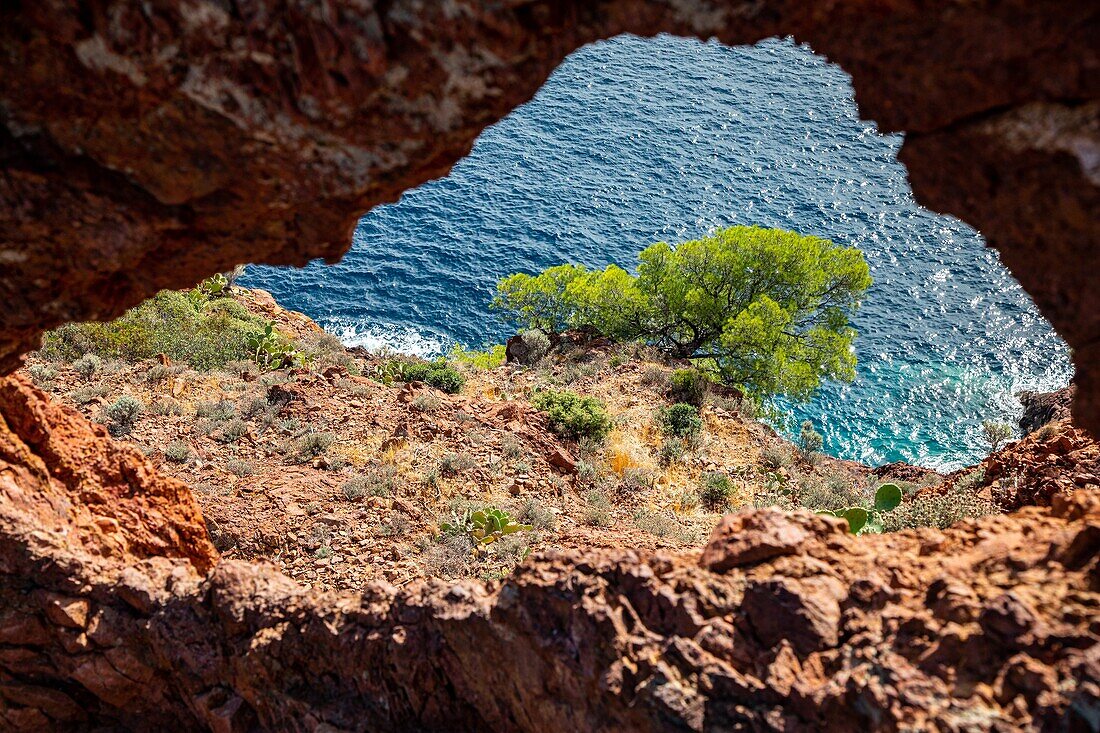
538, 345
671, 451
436, 374
573, 416
449, 557
231, 431
637, 479
240, 467
655, 523
314, 444
190, 328
166, 406
376, 481
769, 308
688, 386
655, 376
84, 395
775, 457
810, 441
156, 374
831, 494
124, 412
177, 452
426, 403
220, 411
87, 365
453, 464
715, 491
938, 510
489, 359
42, 374
995, 433
1045, 433
597, 509
537, 515
681, 420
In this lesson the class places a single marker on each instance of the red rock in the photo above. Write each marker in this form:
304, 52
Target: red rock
752, 536
805, 613
560, 459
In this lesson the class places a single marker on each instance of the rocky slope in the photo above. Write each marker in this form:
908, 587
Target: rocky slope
399, 459
784, 622
114, 614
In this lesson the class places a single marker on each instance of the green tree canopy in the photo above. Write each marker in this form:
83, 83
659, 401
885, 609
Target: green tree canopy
767, 309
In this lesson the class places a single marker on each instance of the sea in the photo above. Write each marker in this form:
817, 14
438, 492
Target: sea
633, 141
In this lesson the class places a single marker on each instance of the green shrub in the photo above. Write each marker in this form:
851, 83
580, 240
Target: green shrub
220, 411
688, 386
124, 412
656, 377
426, 403
938, 510
538, 345
453, 464
84, 395
671, 451
156, 374
995, 433
231, 431
375, 481
810, 441
190, 328
42, 374
537, 515
436, 374
177, 451
574, 416
715, 491
681, 420
484, 527
775, 457
597, 509
489, 359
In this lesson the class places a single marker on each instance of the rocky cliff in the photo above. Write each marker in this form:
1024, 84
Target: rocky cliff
784, 622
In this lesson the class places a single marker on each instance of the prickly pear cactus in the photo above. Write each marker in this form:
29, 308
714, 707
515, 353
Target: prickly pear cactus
869, 521
484, 526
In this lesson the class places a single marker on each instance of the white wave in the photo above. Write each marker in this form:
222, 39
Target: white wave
389, 338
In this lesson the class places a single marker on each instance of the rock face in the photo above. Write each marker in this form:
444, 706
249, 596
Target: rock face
148, 145
784, 623
85, 495
1041, 408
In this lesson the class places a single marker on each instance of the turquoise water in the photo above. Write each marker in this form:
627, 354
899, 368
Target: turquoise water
633, 141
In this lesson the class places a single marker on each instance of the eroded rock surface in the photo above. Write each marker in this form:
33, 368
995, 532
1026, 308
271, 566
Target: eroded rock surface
148, 145
990, 625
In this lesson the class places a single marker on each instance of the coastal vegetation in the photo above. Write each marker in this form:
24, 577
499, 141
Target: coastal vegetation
200, 327
410, 464
766, 310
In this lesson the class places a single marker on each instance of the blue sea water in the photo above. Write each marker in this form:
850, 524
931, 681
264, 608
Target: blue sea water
633, 141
